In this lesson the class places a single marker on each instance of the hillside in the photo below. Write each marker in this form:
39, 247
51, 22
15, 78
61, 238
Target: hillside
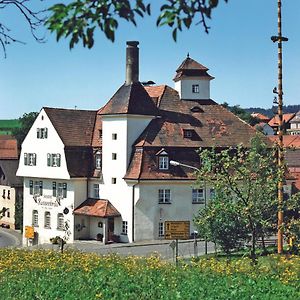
6, 126
271, 111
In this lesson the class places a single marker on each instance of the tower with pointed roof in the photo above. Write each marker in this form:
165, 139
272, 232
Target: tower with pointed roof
192, 80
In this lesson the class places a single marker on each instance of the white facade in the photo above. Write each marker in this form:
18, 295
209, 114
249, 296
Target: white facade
193, 88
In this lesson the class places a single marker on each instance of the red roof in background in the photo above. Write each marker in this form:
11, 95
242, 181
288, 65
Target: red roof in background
260, 117
288, 140
8, 147
96, 208
285, 118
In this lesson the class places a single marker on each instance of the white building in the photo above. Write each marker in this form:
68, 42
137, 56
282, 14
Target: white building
107, 172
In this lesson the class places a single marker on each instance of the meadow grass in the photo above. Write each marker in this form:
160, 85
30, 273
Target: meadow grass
42, 274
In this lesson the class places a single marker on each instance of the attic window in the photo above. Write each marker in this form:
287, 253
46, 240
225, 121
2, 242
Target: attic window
196, 109
195, 88
188, 133
163, 160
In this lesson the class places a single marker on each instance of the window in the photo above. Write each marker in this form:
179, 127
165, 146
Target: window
163, 162
8, 194
35, 218
8, 213
3, 194
96, 191
60, 221
164, 196
188, 133
37, 188
31, 187
61, 190
198, 196
54, 189
114, 156
114, 136
124, 227
29, 159
195, 88
42, 133
98, 160
47, 223
53, 159
161, 229
114, 180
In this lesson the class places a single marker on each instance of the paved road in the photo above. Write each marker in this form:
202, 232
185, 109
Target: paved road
8, 238
185, 248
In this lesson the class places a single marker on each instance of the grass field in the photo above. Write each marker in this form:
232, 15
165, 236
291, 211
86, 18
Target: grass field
7, 125
74, 275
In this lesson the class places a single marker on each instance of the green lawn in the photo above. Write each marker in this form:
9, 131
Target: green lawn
74, 275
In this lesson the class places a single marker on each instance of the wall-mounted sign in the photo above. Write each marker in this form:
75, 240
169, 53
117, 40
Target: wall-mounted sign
177, 230
29, 232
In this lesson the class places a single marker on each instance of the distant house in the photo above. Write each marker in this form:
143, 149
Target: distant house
265, 128
260, 117
11, 187
286, 125
291, 144
295, 125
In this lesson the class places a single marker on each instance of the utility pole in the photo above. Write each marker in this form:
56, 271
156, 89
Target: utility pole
279, 39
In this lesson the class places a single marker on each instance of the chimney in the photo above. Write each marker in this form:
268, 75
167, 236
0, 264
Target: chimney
132, 62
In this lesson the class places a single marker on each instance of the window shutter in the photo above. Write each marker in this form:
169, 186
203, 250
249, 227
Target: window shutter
48, 160
25, 159
65, 190
41, 188
54, 189
38, 133
34, 159
46, 132
58, 160
30, 187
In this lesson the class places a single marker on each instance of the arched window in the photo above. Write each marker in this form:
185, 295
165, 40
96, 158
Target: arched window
47, 219
35, 218
60, 221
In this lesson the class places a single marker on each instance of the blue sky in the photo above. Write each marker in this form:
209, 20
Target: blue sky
238, 51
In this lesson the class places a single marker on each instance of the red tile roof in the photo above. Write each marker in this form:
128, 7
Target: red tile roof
214, 125
260, 117
8, 147
285, 118
130, 99
190, 67
75, 127
96, 208
292, 141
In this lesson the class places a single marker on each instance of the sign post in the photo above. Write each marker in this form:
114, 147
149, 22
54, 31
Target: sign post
177, 230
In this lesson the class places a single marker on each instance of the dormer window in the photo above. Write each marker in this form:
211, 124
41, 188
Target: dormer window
163, 160
188, 133
195, 88
196, 109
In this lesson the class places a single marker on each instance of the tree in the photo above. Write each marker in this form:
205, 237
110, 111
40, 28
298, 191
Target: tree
79, 19
220, 222
246, 178
26, 122
34, 19
241, 113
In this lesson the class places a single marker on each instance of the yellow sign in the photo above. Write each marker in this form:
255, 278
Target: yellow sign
177, 230
29, 232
